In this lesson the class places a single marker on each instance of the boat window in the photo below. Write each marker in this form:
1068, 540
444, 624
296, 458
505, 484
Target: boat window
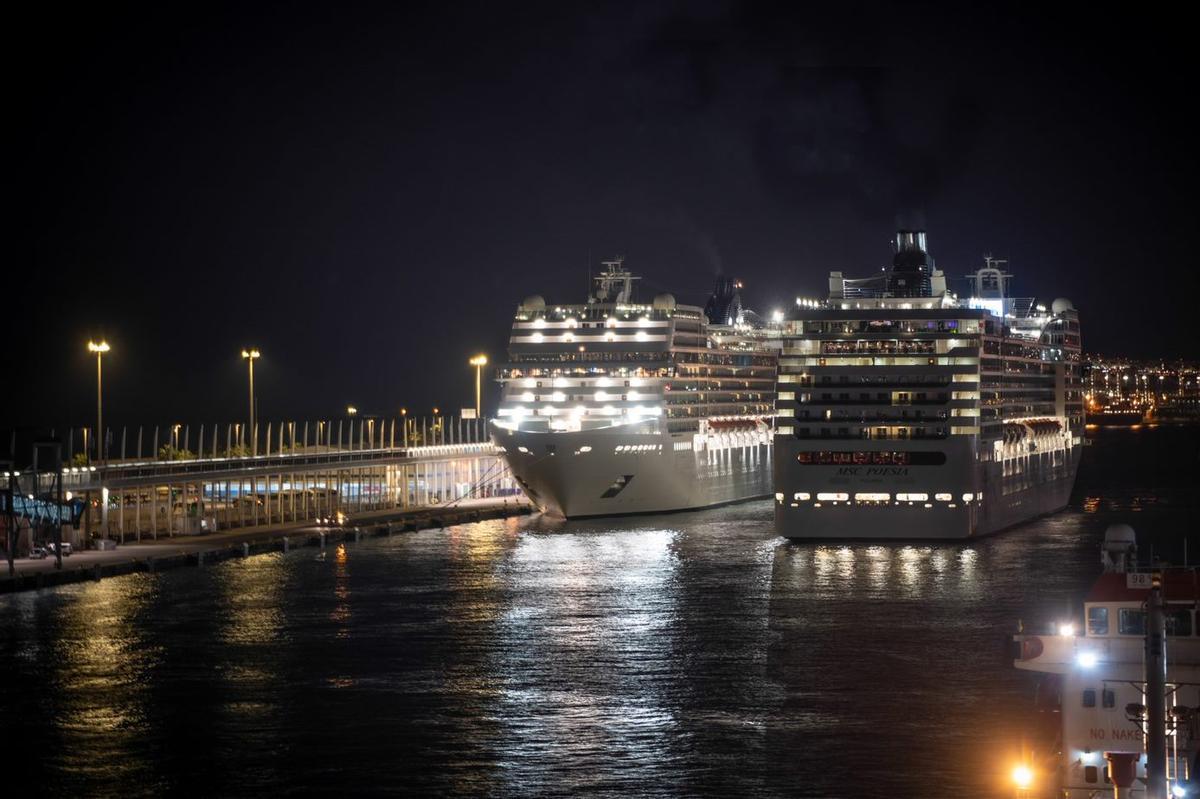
1091, 773
1108, 698
1089, 697
1097, 621
1179, 622
1132, 622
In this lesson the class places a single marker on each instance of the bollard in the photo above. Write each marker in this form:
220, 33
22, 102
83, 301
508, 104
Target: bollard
322, 539
199, 558
285, 543
356, 535
245, 549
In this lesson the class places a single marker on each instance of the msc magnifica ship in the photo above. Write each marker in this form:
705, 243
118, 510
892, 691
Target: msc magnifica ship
614, 406
905, 411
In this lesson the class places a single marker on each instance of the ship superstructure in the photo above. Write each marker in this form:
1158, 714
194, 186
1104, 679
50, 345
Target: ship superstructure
615, 406
1098, 723
905, 411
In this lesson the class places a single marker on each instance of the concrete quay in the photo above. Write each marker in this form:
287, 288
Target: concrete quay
153, 556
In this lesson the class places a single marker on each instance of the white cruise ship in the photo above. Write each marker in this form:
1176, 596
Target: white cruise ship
618, 407
906, 411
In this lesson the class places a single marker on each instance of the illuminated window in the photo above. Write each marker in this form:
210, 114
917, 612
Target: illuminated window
1097, 621
832, 497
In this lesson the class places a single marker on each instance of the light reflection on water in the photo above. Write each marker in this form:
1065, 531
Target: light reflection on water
694, 654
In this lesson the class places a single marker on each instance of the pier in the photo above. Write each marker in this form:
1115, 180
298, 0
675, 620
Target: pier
293, 474
174, 552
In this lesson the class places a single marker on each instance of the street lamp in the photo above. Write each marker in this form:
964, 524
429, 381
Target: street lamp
351, 410
479, 361
99, 349
251, 355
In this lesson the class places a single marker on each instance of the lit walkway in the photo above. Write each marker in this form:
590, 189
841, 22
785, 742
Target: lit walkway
85, 560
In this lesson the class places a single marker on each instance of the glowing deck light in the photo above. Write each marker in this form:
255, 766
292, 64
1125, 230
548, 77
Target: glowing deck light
1023, 777
1087, 660
1067, 629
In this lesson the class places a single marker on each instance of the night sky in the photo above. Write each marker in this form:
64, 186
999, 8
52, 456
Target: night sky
366, 192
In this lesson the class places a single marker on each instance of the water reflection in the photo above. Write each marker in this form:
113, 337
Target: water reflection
588, 619
695, 654
101, 667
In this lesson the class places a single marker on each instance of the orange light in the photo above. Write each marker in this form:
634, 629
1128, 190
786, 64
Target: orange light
1022, 776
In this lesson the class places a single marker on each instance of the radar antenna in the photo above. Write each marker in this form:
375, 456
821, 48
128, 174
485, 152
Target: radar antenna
615, 283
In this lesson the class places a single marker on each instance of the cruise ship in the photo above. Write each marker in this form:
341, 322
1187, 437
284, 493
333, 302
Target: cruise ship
906, 411
613, 406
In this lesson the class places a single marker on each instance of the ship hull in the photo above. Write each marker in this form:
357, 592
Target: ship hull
962, 498
613, 472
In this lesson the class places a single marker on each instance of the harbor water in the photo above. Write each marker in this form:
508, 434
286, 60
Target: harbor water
692, 654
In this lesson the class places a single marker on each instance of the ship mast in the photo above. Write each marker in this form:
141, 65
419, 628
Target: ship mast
614, 284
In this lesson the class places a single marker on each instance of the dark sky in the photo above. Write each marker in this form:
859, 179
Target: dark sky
366, 192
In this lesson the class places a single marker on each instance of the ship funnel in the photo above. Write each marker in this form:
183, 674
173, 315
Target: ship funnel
912, 266
909, 240
724, 306
1119, 550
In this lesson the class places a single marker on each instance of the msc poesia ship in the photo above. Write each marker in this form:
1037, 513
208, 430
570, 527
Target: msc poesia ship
615, 407
905, 411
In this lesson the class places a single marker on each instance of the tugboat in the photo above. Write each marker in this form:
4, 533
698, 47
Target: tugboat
1121, 684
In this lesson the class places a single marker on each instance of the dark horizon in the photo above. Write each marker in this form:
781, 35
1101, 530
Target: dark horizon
366, 199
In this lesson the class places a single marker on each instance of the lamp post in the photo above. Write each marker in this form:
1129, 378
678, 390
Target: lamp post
251, 355
479, 361
351, 410
99, 349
